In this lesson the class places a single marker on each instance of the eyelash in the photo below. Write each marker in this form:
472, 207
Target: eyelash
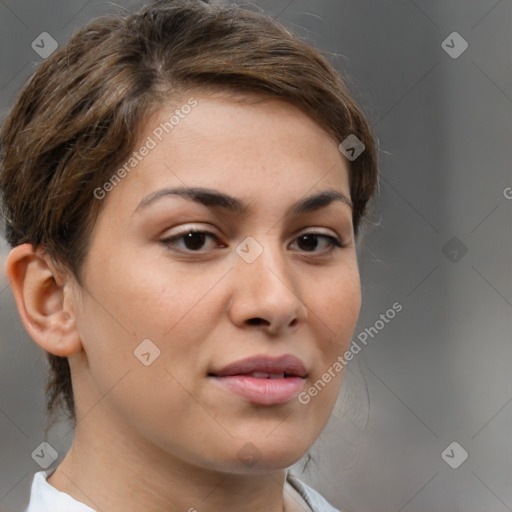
334, 243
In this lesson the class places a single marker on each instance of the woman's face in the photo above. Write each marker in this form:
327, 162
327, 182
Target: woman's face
162, 313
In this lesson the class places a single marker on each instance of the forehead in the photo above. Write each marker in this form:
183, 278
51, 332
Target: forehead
246, 147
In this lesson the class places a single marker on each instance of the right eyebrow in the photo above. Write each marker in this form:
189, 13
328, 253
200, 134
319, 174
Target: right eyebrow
204, 196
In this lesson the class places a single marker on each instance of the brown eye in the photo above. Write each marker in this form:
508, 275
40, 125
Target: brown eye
309, 242
192, 240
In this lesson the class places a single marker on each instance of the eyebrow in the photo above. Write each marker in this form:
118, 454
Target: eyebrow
214, 198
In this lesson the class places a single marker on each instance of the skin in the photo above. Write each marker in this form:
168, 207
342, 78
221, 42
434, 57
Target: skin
164, 436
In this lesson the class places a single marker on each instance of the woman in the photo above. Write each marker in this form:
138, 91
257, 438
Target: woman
182, 189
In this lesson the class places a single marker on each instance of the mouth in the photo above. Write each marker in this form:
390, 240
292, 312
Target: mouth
263, 380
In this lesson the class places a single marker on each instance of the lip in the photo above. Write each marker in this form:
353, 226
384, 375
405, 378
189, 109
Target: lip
259, 390
287, 363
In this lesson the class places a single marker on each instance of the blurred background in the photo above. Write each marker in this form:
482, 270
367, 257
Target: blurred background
424, 418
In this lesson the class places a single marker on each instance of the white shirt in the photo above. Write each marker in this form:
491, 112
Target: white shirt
46, 498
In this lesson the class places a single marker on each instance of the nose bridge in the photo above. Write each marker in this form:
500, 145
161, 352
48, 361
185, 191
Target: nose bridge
266, 289
263, 258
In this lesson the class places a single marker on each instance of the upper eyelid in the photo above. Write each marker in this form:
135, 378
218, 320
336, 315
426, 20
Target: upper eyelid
304, 231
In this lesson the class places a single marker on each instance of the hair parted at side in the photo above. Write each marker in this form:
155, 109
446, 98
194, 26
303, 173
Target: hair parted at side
79, 117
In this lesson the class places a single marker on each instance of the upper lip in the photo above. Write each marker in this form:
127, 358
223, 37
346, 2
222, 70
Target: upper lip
287, 364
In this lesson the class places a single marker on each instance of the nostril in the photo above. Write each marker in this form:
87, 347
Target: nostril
257, 321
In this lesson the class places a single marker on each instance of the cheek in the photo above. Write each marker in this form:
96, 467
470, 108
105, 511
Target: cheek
335, 304
145, 296
128, 302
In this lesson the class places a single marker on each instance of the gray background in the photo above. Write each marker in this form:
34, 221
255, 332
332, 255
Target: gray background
440, 370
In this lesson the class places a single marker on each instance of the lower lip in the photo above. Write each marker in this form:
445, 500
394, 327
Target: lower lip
263, 391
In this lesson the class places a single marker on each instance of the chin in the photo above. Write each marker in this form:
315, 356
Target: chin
259, 455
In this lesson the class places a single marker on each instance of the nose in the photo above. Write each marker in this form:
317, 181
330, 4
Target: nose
267, 293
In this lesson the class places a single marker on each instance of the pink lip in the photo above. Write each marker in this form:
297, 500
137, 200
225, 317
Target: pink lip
264, 391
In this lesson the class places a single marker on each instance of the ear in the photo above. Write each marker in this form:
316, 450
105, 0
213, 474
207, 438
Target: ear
45, 298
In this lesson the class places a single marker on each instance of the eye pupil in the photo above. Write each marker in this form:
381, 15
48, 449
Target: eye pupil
311, 241
194, 241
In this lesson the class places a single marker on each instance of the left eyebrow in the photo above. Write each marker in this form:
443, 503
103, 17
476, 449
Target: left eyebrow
214, 198
318, 201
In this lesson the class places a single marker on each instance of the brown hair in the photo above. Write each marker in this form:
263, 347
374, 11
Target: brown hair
78, 118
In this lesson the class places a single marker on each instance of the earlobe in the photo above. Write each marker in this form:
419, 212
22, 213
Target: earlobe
42, 295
